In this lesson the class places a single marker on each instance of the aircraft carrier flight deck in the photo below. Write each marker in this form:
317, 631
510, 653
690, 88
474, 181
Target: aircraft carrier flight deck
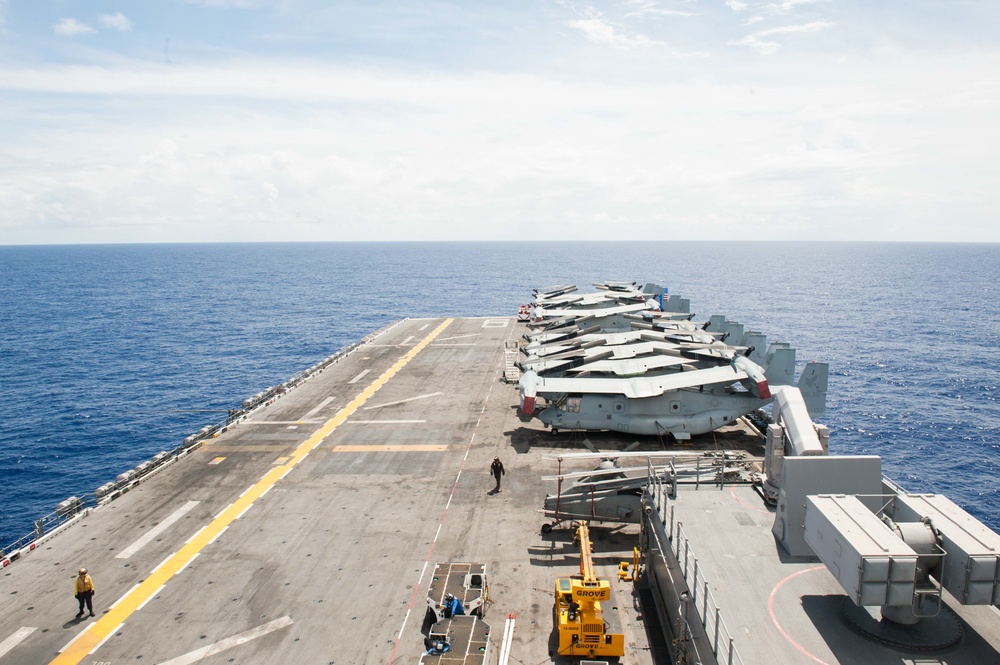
308, 532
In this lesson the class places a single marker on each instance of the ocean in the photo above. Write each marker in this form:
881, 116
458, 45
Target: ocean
110, 354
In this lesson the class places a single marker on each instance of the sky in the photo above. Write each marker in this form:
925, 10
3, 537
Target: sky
301, 120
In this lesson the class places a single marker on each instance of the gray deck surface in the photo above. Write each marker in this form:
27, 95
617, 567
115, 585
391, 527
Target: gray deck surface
782, 609
331, 564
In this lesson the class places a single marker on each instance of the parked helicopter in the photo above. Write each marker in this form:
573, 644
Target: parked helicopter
613, 493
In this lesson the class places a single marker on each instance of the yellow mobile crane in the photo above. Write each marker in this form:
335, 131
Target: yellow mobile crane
580, 619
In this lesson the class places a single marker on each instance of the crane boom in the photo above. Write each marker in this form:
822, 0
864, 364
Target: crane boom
586, 556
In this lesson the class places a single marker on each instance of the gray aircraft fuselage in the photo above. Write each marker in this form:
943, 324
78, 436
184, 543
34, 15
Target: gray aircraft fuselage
680, 412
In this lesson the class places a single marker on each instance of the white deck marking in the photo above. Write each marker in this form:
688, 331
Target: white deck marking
448, 339
280, 422
114, 604
19, 635
155, 594
229, 642
401, 628
318, 407
402, 401
495, 323
75, 638
423, 327
106, 638
384, 422
188, 563
358, 377
406, 341
459, 344
156, 530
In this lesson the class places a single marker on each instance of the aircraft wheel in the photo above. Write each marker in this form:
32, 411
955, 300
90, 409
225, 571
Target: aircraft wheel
547, 528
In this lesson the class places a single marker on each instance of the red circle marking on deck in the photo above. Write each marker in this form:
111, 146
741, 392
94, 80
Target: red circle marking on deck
732, 493
774, 619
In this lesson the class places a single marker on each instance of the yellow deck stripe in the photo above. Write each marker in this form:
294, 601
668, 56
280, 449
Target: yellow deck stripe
100, 630
386, 447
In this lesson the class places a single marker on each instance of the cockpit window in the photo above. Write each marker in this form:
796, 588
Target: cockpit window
572, 404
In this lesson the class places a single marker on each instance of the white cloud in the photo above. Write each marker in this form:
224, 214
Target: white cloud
736, 5
235, 4
600, 31
117, 21
70, 27
650, 8
758, 43
788, 5
348, 153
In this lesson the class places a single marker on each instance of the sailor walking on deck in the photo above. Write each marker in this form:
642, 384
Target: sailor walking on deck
84, 592
497, 470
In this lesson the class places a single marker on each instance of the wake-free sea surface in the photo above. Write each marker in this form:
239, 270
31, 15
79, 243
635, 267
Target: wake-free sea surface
111, 354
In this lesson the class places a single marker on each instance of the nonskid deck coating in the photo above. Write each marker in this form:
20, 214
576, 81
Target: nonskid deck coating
315, 526
783, 609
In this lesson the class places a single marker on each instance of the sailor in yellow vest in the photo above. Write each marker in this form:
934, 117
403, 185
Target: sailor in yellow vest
84, 592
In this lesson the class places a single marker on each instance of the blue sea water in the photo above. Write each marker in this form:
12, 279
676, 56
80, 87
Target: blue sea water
110, 354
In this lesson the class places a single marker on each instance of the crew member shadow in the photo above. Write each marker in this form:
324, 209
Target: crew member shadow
75, 621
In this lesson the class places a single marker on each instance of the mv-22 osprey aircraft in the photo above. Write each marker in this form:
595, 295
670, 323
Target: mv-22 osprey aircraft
681, 403
704, 386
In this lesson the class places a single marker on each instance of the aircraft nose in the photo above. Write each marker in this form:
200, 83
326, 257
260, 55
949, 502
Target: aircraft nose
763, 390
527, 405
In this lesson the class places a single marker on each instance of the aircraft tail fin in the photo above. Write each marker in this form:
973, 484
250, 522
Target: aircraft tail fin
759, 343
733, 331
779, 365
651, 289
676, 304
714, 323
813, 384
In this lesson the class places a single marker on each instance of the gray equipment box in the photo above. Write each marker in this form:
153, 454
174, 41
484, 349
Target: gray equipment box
972, 565
873, 565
